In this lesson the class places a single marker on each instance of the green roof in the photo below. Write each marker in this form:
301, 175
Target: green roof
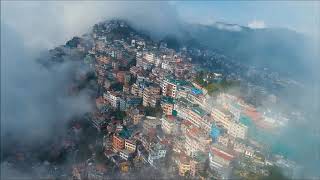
174, 113
168, 99
199, 111
177, 81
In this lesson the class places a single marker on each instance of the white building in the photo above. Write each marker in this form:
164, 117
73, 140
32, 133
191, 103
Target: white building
112, 98
168, 124
125, 154
150, 57
130, 145
222, 116
237, 130
156, 152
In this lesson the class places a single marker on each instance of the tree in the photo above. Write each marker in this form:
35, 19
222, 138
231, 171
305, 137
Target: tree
153, 111
119, 114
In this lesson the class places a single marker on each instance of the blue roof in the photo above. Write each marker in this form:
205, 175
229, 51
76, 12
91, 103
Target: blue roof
196, 91
215, 131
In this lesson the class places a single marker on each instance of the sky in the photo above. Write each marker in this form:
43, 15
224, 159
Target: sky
56, 21
301, 16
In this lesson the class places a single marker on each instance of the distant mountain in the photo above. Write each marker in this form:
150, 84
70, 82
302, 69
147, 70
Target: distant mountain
282, 50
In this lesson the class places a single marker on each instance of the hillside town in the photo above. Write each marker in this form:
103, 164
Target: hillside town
159, 115
153, 113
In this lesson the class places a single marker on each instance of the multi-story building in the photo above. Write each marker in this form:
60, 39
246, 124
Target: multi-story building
111, 97
130, 145
150, 123
150, 57
196, 140
225, 118
169, 124
135, 116
167, 108
125, 154
221, 116
136, 90
196, 115
224, 140
117, 143
120, 76
132, 101
206, 123
151, 96
156, 152
170, 86
237, 130
184, 165
182, 108
235, 110
197, 164
167, 105
220, 157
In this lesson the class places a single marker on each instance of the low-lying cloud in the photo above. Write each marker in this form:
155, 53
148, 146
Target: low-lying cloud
257, 24
48, 24
34, 98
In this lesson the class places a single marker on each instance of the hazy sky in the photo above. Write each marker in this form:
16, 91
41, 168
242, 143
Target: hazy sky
302, 16
56, 21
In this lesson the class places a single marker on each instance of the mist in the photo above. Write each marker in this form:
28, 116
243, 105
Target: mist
36, 106
33, 98
48, 24
32, 95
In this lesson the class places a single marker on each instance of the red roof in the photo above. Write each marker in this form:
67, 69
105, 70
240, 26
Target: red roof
170, 117
164, 142
253, 114
222, 154
194, 131
186, 123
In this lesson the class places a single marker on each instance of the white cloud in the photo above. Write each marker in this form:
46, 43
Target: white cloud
48, 24
256, 24
228, 27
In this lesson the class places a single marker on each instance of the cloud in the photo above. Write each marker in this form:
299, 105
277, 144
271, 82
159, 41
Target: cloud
228, 27
48, 24
34, 99
257, 24
35, 105
32, 95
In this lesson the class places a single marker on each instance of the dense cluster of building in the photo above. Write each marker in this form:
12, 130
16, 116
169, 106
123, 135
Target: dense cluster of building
171, 122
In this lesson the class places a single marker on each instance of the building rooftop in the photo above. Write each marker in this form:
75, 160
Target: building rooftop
168, 99
170, 118
222, 152
199, 111
177, 81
